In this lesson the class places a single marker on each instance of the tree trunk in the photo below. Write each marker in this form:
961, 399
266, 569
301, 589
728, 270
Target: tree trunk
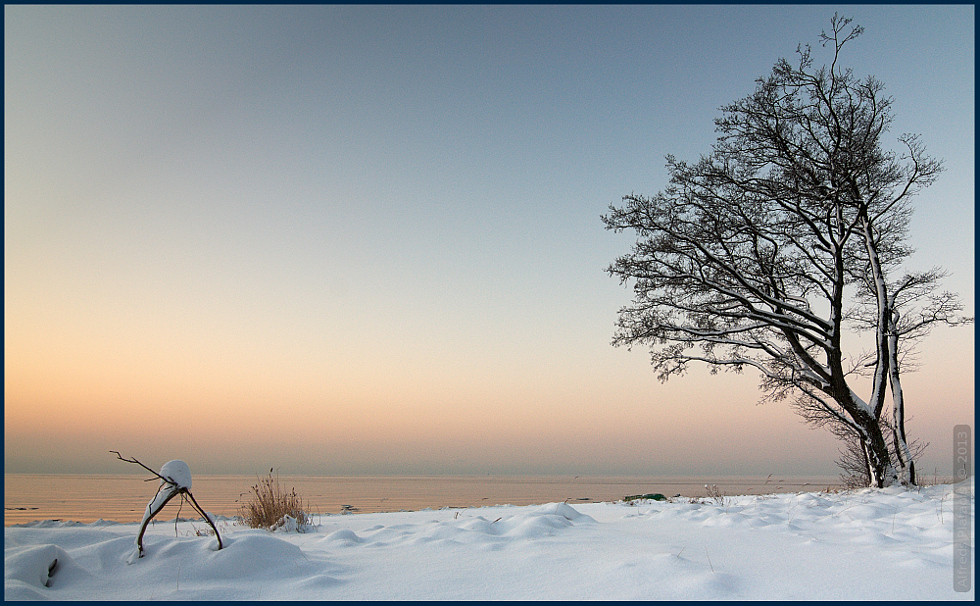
902, 452
880, 466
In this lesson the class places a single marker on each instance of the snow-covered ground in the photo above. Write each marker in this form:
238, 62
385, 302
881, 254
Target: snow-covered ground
889, 544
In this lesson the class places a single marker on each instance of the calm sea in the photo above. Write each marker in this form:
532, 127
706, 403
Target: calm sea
123, 498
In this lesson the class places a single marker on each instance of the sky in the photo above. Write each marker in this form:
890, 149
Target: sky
347, 240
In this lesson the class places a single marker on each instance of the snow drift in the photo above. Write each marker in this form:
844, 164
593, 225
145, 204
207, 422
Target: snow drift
856, 545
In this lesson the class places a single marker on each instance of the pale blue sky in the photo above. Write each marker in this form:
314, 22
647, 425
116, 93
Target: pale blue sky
373, 231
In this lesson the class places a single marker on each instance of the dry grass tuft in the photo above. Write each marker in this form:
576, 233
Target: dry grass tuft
268, 504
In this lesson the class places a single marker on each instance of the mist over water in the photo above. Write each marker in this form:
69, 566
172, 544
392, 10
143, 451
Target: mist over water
123, 498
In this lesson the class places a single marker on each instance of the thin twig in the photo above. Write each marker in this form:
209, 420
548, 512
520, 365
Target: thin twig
177, 517
133, 460
207, 518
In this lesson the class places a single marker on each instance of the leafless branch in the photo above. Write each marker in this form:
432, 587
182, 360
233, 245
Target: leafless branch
168, 489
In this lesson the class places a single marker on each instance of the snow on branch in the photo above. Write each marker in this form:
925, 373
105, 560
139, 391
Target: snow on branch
175, 480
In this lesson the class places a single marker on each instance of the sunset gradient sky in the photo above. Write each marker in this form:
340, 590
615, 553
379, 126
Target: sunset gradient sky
366, 240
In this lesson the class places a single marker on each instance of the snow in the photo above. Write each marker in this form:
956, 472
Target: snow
178, 473
892, 544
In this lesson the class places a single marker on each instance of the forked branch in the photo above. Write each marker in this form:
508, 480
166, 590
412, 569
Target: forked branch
169, 488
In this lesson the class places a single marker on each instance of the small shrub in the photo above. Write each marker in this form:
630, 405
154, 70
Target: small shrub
715, 496
268, 505
713, 493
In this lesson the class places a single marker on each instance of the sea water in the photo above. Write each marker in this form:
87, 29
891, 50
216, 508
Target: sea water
124, 497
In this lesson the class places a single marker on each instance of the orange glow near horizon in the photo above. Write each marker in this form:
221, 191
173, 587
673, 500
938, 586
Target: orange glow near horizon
633, 422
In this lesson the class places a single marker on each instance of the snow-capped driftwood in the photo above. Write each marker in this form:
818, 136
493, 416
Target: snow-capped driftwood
175, 479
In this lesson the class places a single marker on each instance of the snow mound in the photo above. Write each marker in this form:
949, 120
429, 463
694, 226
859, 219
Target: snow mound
55, 523
563, 510
344, 538
542, 521
30, 571
465, 527
258, 555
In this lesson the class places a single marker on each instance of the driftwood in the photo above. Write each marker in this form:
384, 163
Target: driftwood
174, 481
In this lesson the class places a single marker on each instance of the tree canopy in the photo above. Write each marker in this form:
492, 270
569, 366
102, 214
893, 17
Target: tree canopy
765, 251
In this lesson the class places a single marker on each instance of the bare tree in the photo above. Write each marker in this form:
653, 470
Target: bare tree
914, 306
749, 256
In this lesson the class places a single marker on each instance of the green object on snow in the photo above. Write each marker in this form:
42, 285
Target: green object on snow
656, 496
